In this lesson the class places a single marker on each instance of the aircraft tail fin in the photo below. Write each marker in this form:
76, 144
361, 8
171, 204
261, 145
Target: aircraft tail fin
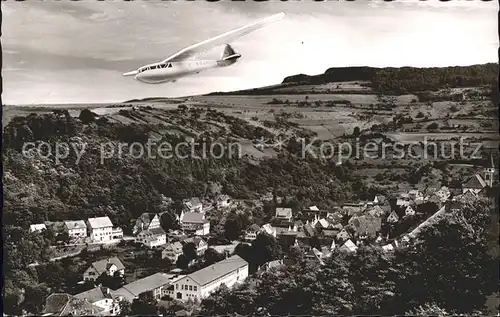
229, 53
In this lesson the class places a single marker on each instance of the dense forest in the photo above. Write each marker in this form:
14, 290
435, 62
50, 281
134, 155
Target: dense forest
389, 80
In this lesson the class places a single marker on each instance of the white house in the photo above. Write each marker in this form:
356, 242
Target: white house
270, 230
172, 251
409, 211
38, 227
193, 205
152, 238
284, 213
76, 228
202, 283
107, 266
100, 228
200, 245
349, 246
101, 297
195, 222
393, 217
146, 221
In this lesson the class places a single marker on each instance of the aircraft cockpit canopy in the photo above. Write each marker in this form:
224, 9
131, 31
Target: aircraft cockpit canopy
151, 67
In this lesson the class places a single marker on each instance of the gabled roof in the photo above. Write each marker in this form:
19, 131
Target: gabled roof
149, 283
38, 226
100, 222
219, 269
151, 233
349, 246
366, 224
62, 304
101, 266
193, 202
476, 182
254, 228
309, 230
76, 224
314, 208
175, 247
284, 212
196, 240
194, 217
146, 218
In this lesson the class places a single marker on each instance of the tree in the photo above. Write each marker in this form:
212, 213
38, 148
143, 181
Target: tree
86, 116
356, 132
232, 229
189, 251
167, 221
212, 256
459, 269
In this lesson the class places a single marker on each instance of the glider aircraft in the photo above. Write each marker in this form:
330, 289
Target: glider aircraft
180, 64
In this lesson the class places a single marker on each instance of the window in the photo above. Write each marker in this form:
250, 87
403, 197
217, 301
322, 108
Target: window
169, 65
194, 288
190, 287
153, 67
176, 286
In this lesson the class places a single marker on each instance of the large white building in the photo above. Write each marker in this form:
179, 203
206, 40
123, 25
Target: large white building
202, 283
100, 229
76, 228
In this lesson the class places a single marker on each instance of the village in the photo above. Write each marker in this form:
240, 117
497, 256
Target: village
389, 222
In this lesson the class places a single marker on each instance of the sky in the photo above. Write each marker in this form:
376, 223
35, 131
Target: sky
75, 52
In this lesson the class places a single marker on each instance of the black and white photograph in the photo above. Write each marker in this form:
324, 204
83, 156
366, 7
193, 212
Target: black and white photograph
250, 158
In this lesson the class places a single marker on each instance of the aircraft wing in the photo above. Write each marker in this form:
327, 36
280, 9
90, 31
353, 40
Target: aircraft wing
222, 39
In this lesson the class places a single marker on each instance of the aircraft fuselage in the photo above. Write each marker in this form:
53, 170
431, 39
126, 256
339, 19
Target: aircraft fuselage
170, 71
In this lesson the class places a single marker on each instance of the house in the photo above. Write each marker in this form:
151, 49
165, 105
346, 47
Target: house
375, 211
101, 297
409, 211
349, 246
366, 225
270, 265
443, 193
379, 199
152, 238
223, 201
284, 213
313, 208
309, 230
100, 228
195, 222
38, 227
107, 266
76, 229
393, 217
322, 224
343, 235
200, 245
414, 194
267, 197
63, 304
146, 221
193, 205
268, 229
172, 251
202, 283
402, 202
475, 184
252, 232
158, 284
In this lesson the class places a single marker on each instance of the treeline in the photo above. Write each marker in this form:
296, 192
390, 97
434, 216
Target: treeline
450, 269
391, 80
